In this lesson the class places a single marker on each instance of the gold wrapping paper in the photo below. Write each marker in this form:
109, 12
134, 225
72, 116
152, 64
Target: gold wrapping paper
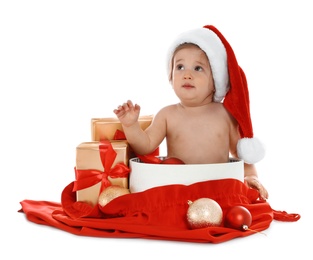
105, 128
88, 157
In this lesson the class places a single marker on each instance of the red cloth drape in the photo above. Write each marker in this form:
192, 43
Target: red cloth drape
157, 213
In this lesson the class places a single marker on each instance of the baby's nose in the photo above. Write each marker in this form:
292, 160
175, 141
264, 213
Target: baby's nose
187, 75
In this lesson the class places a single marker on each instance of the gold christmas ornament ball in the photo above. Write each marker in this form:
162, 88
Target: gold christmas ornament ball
204, 212
111, 193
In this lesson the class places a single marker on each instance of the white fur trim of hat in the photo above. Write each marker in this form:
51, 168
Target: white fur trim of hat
210, 43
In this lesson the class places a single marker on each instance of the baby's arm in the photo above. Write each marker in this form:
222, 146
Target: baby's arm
142, 142
252, 180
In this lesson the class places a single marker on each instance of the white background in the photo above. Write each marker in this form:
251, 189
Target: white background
64, 62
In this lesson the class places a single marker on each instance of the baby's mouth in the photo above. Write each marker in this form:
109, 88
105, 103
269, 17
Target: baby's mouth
188, 86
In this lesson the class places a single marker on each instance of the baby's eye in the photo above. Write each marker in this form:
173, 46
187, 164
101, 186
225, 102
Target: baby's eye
180, 67
198, 68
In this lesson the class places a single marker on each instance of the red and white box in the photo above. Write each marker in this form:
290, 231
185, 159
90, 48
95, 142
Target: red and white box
144, 176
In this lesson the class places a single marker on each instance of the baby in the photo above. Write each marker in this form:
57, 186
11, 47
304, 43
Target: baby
199, 129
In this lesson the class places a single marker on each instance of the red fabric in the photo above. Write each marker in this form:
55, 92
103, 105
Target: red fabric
157, 213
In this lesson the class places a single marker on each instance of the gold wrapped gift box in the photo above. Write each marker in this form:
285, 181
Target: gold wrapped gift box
105, 128
88, 157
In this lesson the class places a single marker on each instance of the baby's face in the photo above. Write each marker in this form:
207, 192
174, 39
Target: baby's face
192, 78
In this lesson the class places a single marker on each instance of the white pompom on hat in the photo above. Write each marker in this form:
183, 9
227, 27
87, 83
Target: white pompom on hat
230, 82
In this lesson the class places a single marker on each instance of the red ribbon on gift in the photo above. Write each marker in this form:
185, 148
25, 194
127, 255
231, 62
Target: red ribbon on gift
89, 177
119, 135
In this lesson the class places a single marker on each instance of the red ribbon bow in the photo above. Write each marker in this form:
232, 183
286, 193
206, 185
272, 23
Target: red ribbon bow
89, 177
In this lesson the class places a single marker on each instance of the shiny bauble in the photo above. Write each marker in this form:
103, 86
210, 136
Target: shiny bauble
111, 193
204, 212
172, 160
238, 217
149, 159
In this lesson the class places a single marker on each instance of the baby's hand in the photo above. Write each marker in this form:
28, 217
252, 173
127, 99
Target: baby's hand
254, 183
127, 113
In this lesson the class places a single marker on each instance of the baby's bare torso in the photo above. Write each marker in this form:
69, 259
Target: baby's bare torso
199, 135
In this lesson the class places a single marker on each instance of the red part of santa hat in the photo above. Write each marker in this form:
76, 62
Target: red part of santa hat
230, 85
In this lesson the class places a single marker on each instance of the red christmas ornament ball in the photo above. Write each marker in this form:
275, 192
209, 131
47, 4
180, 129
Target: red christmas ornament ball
172, 160
238, 217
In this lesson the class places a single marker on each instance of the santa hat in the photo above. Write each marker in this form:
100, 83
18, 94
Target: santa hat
230, 85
